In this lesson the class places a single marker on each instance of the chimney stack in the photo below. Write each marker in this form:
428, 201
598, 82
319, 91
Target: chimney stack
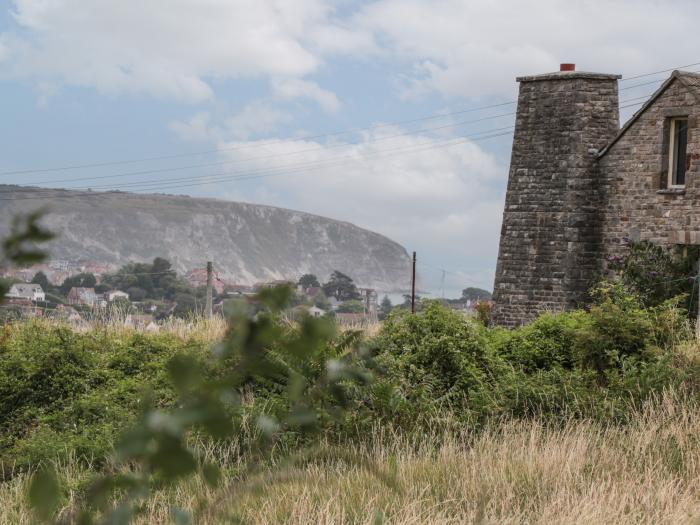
549, 246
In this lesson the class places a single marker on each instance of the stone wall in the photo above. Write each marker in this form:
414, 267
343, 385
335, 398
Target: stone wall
550, 238
634, 171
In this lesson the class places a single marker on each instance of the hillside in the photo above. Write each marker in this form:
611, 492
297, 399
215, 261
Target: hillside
248, 243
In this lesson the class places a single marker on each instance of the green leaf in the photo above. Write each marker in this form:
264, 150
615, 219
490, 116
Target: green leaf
44, 493
173, 459
184, 372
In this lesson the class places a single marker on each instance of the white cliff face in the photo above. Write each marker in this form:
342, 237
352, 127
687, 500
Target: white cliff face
247, 243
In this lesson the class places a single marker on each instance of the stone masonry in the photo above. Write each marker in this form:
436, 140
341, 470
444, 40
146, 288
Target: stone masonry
578, 186
551, 222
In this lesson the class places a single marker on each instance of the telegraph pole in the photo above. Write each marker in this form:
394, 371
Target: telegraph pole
413, 285
210, 273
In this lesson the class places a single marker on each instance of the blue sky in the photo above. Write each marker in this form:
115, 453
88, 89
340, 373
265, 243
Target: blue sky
264, 85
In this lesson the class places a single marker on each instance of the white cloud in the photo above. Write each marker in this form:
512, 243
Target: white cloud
476, 48
292, 88
445, 200
256, 118
198, 128
170, 48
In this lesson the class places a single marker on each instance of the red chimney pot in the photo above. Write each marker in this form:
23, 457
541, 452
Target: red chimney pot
567, 67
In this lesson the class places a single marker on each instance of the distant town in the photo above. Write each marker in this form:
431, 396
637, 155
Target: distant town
142, 294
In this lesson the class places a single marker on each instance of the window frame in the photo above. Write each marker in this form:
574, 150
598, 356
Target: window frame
672, 151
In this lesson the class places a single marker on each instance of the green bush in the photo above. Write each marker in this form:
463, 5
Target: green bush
589, 364
63, 392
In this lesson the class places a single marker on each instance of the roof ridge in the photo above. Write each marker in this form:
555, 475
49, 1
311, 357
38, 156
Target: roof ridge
676, 75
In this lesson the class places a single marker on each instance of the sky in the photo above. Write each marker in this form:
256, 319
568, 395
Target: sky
395, 115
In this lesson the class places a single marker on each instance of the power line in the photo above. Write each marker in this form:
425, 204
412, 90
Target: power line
659, 72
78, 166
283, 154
256, 145
48, 193
266, 157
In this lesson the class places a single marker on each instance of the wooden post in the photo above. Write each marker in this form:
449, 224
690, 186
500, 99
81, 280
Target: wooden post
413, 286
210, 273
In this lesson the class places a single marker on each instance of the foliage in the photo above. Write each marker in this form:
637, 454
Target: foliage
475, 294
341, 287
654, 273
152, 281
82, 280
311, 376
351, 307
158, 282
41, 279
483, 312
385, 307
309, 280
21, 247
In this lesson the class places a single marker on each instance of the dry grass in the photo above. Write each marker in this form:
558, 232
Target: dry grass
517, 472
199, 328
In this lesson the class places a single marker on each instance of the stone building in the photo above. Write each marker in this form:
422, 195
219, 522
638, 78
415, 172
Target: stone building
579, 185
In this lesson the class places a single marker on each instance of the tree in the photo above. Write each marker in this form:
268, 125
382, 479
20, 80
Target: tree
82, 280
341, 287
475, 294
136, 294
161, 272
41, 279
351, 307
385, 307
309, 280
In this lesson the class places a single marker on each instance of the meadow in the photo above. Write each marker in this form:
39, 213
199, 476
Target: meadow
580, 417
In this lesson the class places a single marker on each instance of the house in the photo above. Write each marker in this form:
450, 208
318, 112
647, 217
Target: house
32, 292
198, 277
580, 186
112, 295
317, 312
83, 297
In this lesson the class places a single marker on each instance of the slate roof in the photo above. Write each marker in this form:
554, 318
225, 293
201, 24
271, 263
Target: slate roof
691, 81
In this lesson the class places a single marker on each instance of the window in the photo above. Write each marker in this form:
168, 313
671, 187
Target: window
677, 152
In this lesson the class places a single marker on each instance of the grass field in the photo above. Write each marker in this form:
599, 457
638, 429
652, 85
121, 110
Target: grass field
516, 472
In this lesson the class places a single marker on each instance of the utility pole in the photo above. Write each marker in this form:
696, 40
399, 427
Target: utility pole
210, 273
443, 282
413, 286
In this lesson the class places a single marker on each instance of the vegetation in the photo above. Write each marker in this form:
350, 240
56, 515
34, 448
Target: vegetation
475, 294
67, 396
511, 472
309, 280
341, 287
296, 422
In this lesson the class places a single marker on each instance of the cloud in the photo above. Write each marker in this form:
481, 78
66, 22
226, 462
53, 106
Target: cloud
198, 128
414, 189
476, 48
292, 88
171, 48
256, 118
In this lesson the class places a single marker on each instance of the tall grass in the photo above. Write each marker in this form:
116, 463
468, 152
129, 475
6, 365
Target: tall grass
647, 471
